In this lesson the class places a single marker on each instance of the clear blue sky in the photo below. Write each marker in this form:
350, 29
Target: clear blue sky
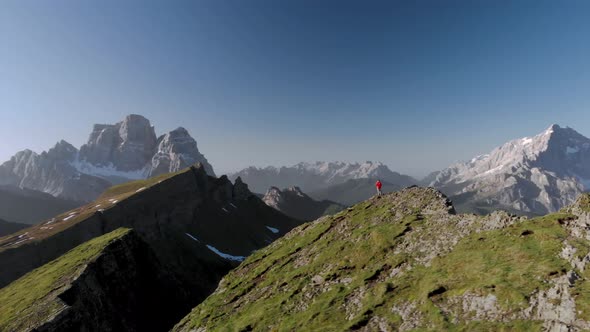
415, 84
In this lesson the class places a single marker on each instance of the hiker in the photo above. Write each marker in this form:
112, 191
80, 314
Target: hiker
378, 185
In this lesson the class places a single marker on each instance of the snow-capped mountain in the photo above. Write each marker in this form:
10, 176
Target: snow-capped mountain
128, 150
533, 174
314, 176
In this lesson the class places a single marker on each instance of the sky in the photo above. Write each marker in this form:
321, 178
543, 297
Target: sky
415, 84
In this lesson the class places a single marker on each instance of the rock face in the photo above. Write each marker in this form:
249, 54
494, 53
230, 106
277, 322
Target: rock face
315, 176
128, 150
128, 145
294, 203
197, 226
406, 261
177, 150
534, 175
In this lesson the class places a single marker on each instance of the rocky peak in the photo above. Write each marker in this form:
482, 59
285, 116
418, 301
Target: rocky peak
241, 191
176, 150
273, 197
63, 151
127, 146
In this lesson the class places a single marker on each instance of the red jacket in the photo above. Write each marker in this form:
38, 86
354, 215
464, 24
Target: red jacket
378, 185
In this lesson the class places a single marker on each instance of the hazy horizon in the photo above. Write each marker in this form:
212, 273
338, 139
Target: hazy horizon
416, 85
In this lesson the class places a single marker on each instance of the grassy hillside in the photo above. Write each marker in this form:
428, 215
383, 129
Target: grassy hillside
406, 262
33, 298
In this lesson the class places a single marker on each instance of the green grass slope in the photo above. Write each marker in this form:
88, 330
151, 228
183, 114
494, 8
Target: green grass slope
33, 299
407, 262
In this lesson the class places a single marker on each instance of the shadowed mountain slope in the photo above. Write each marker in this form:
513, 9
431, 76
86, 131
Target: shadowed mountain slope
10, 227
29, 206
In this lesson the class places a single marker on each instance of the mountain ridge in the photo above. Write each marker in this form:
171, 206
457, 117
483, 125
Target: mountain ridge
314, 176
534, 175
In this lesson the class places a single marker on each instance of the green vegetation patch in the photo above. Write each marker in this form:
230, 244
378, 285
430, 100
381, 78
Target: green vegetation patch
32, 299
341, 271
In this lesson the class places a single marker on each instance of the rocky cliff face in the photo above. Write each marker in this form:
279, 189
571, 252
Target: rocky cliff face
198, 227
406, 262
177, 150
114, 154
128, 145
533, 175
294, 203
316, 176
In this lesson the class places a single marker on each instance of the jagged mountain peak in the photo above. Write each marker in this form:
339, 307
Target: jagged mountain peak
537, 174
176, 150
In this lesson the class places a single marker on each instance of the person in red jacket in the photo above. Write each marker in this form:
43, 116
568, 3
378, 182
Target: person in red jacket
378, 185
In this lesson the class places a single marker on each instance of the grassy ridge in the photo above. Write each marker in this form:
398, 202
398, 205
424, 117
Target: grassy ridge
338, 272
32, 299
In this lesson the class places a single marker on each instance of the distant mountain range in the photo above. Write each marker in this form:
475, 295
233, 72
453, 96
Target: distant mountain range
311, 177
128, 150
353, 191
531, 175
296, 204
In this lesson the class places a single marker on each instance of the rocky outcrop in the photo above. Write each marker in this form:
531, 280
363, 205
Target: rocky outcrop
113, 154
177, 150
532, 175
294, 203
316, 176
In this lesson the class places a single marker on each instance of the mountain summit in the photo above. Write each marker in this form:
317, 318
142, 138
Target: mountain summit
536, 174
127, 150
